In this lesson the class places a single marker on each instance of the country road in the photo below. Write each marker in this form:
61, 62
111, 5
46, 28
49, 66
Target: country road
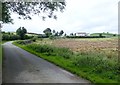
20, 66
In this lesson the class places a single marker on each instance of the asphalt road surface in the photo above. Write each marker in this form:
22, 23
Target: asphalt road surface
20, 66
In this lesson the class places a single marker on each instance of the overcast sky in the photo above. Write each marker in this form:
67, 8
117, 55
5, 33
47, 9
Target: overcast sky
89, 16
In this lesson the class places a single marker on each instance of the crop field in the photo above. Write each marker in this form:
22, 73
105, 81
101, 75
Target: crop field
108, 46
93, 59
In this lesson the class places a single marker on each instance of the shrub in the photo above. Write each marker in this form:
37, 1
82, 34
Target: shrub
51, 37
97, 65
24, 42
34, 39
51, 50
8, 37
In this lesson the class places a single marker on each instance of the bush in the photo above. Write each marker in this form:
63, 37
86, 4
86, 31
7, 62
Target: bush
52, 37
34, 39
97, 65
51, 50
28, 37
8, 37
24, 42
41, 39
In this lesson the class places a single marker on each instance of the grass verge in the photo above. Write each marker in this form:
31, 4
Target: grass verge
95, 69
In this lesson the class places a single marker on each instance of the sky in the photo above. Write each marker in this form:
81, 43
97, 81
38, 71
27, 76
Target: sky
90, 16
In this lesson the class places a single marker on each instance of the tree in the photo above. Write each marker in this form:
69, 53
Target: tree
75, 34
47, 32
27, 9
53, 32
10, 36
100, 35
61, 32
65, 34
56, 34
71, 34
21, 32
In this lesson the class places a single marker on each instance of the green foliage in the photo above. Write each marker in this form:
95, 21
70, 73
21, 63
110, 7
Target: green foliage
52, 37
28, 37
7, 37
53, 31
47, 32
21, 32
72, 36
34, 39
20, 42
24, 42
65, 35
91, 65
51, 50
6, 18
26, 9
104, 34
56, 34
99, 64
100, 35
42, 36
61, 32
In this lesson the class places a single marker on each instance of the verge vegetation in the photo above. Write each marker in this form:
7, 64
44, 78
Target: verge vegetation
96, 66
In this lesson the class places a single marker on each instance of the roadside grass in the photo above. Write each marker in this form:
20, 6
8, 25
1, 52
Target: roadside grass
92, 66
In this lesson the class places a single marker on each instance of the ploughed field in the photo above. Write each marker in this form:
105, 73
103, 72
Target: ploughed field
107, 46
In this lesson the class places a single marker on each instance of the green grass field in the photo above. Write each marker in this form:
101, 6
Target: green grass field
104, 34
97, 66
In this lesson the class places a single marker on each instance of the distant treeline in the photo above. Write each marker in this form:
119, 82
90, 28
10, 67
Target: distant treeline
7, 36
85, 36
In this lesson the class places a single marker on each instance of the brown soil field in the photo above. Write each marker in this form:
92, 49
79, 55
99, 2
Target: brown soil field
87, 44
108, 46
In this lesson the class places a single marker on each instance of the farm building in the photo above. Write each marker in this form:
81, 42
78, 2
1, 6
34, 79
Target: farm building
82, 34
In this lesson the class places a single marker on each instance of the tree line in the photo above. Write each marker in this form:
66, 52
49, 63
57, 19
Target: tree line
48, 32
21, 32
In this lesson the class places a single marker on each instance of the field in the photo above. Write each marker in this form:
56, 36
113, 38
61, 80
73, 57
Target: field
108, 46
104, 34
93, 59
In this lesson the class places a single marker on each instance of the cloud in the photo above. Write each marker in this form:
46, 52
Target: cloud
80, 15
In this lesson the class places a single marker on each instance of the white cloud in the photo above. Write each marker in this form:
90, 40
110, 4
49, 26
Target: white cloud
79, 15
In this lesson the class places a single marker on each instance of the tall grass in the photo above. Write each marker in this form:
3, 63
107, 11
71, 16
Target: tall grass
91, 65
51, 50
105, 68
